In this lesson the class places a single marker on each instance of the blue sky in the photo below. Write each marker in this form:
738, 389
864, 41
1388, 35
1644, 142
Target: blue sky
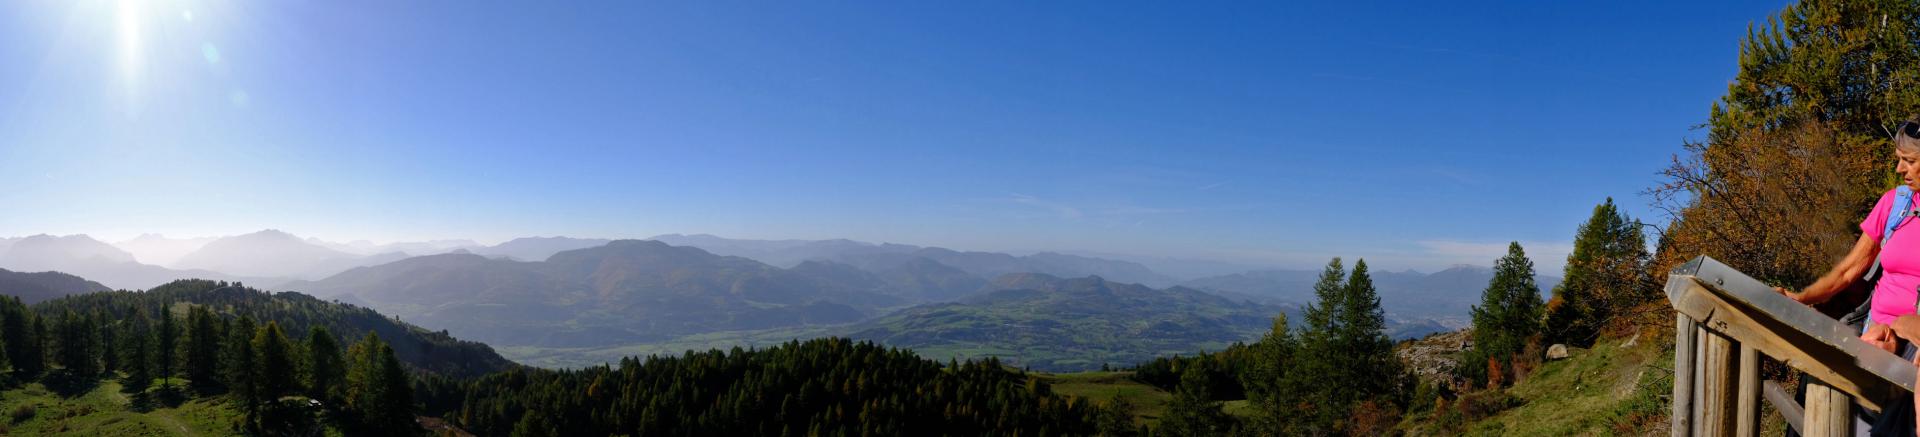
1417, 136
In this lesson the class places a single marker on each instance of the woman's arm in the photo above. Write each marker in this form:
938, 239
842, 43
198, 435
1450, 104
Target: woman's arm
1849, 269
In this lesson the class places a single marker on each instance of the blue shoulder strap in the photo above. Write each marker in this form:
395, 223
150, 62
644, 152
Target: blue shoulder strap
1902, 200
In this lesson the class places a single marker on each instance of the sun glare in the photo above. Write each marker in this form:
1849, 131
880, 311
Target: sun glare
130, 44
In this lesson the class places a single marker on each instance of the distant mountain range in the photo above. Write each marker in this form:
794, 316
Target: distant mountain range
1056, 324
625, 291
266, 258
275, 254
538, 248
86, 257
868, 255
159, 250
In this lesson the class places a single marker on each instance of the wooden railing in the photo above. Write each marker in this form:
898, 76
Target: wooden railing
1727, 320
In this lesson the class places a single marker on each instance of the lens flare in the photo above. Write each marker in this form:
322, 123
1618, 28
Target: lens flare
131, 46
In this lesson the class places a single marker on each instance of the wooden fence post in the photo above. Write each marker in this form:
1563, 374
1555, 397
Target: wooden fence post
1682, 375
1747, 422
1717, 413
1829, 411
1699, 378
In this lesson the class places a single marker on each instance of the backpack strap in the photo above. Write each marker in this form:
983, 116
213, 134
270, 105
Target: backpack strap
1902, 202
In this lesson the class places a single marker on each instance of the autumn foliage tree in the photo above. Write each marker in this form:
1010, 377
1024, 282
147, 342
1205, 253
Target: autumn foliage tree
1797, 149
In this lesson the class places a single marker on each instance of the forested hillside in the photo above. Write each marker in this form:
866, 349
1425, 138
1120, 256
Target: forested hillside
35, 287
277, 359
296, 313
817, 387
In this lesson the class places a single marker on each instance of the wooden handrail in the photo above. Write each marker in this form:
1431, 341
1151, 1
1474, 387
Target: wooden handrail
1727, 318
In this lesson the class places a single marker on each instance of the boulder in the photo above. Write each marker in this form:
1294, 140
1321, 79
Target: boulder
1557, 352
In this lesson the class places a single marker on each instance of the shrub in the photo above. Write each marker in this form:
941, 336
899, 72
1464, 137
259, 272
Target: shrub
1484, 404
1528, 360
1494, 379
22, 413
1372, 418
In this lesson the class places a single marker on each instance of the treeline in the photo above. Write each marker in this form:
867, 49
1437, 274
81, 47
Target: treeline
432, 351
1335, 374
824, 387
185, 339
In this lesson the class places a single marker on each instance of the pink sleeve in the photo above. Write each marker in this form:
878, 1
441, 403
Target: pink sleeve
1876, 222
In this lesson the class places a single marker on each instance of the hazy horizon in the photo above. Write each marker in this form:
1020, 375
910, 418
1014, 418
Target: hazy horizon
1547, 260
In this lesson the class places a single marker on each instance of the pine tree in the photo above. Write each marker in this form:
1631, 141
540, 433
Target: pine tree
1193, 411
534, 424
164, 335
378, 390
277, 374
1508, 315
1851, 64
16, 332
38, 340
1273, 392
202, 349
240, 366
1373, 372
1319, 375
1116, 420
1605, 275
325, 372
76, 351
135, 348
104, 337
1327, 295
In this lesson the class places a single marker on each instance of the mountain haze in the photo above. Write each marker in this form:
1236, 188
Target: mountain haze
275, 254
538, 248
159, 250
625, 291
787, 253
86, 257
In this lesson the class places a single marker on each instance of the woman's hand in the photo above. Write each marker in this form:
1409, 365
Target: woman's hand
1907, 327
1881, 336
1790, 294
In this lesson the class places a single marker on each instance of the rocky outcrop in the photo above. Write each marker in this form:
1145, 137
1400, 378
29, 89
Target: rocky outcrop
1433, 358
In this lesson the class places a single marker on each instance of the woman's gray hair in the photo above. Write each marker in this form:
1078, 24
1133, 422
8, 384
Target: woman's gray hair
1903, 137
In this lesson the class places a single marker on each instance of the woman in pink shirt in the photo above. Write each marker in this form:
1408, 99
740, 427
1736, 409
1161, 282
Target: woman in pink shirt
1894, 295
1891, 322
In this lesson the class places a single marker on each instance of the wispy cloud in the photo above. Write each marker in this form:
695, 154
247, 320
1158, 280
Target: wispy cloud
1060, 209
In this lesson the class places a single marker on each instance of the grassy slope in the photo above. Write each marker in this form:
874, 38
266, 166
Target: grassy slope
1149, 402
104, 410
1597, 391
